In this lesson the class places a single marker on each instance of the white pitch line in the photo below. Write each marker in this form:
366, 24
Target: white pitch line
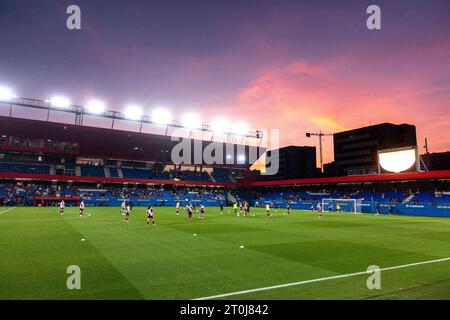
8, 210
321, 279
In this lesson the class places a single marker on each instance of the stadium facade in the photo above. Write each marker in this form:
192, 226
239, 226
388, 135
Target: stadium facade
356, 151
295, 162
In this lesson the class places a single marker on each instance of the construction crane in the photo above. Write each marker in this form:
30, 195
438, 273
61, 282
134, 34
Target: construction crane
320, 135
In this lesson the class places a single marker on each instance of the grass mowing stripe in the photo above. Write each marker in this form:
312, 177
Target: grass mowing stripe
321, 279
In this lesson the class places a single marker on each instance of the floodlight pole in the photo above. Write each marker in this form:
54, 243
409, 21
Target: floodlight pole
320, 135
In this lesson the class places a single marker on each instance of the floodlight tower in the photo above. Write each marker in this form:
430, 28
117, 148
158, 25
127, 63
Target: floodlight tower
320, 135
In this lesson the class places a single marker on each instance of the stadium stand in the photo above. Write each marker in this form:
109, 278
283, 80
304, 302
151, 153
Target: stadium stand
24, 168
136, 173
405, 202
113, 172
113, 196
162, 175
190, 175
221, 175
92, 171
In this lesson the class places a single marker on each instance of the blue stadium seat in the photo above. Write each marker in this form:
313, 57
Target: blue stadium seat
92, 171
136, 173
24, 168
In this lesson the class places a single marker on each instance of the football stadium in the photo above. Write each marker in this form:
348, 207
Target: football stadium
80, 196
112, 201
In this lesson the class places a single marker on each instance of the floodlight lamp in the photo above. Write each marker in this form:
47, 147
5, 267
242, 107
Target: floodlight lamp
220, 125
240, 128
133, 112
96, 107
161, 116
60, 102
6, 94
191, 121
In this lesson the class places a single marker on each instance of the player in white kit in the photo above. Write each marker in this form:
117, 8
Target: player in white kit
123, 207
61, 207
81, 208
150, 215
178, 208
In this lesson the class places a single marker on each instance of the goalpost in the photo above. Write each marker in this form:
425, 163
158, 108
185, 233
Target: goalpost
342, 205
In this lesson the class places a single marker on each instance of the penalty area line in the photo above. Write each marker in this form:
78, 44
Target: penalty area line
348, 275
5, 211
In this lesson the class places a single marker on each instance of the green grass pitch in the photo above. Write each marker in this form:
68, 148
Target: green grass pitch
121, 260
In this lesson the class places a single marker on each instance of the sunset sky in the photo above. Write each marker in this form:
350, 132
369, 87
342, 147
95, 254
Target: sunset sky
294, 65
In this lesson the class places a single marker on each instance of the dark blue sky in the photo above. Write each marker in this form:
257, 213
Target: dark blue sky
275, 64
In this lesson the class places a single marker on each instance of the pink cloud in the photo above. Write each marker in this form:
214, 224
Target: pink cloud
350, 90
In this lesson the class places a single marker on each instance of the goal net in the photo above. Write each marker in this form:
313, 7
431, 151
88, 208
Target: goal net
342, 205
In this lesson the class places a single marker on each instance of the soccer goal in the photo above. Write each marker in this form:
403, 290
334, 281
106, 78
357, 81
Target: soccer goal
342, 205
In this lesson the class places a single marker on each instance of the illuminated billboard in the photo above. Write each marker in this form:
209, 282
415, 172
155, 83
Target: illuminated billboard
398, 160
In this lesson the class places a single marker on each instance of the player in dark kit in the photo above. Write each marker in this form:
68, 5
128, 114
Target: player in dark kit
221, 208
150, 215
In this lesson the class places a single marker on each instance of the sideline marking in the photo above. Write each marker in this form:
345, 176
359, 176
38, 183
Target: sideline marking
320, 279
5, 211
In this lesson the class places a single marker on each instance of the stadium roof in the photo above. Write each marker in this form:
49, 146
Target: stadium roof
116, 144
